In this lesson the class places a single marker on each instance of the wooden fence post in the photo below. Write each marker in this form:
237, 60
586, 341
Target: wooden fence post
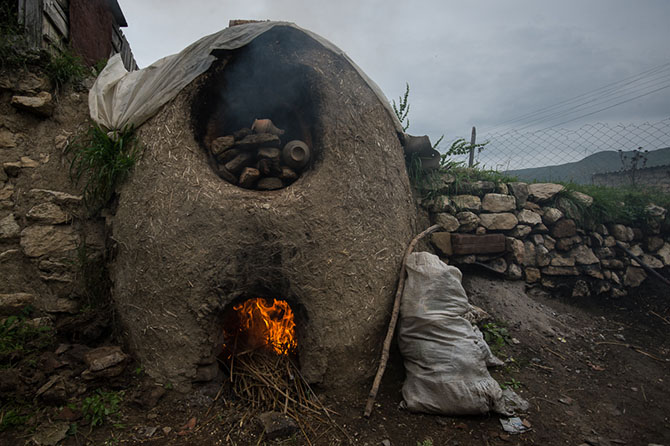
473, 138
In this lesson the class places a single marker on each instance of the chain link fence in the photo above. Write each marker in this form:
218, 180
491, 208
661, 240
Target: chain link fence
586, 155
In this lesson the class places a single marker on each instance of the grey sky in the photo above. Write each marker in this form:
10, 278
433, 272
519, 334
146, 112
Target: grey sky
468, 63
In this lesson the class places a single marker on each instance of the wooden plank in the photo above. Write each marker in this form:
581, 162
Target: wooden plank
117, 41
52, 38
477, 244
53, 11
126, 53
22, 12
33, 22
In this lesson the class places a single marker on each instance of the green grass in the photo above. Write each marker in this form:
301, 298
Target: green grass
101, 162
512, 384
495, 335
19, 339
101, 406
65, 68
625, 205
11, 418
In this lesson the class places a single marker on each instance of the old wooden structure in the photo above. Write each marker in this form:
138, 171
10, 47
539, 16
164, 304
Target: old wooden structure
92, 28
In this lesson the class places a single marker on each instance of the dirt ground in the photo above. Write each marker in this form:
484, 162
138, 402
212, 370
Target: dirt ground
594, 372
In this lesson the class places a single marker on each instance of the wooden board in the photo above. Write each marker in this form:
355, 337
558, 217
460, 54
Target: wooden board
462, 244
53, 10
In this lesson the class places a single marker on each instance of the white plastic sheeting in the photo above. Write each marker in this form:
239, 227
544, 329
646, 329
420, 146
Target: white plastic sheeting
445, 356
120, 98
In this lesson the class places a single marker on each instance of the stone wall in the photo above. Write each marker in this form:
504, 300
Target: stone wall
657, 176
45, 238
544, 245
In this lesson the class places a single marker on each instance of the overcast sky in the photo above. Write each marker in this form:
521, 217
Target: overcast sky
467, 62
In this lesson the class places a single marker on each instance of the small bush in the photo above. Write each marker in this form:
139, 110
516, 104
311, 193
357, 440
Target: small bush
495, 335
65, 68
99, 407
102, 161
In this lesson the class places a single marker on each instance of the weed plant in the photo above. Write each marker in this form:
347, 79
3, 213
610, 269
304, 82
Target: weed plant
19, 338
11, 418
495, 335
101, 406
625, 204
65, 68
101, 161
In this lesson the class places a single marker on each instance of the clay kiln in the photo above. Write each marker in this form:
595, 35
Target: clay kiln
190, 244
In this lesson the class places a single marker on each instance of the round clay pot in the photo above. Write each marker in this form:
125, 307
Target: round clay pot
296, 154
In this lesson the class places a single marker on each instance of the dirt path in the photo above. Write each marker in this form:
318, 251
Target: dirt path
595, 373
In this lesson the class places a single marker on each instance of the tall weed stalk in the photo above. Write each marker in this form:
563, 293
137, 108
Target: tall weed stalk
102, 161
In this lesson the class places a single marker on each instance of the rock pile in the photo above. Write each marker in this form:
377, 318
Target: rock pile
252, 158
543, 244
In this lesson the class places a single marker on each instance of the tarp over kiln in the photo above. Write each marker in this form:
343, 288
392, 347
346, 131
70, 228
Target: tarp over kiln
120, 98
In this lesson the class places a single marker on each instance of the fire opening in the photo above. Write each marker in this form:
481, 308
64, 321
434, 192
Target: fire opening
260, 324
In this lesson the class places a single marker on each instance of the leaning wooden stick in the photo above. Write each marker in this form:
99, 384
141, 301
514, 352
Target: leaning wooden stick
648, 268
394, 320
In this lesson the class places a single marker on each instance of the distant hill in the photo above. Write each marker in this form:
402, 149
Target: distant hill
581, 171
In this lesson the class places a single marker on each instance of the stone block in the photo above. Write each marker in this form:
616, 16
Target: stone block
634, 276
564, 227
49, 213
447, 221
498, 203
566, 243
468, 221
560, 271
621, 232
498, 222
38, 240
583, 255
551, 216
529, 217
520, 192
9, 228
442, 241
40, 105
13, 304
514, 271
541, 192
467, 202
532, 274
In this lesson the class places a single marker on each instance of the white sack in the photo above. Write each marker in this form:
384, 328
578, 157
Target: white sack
119, 98
445, 356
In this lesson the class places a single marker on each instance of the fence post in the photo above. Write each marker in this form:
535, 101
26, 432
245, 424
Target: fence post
473, 138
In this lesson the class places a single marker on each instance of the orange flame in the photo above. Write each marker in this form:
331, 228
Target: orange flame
271, 325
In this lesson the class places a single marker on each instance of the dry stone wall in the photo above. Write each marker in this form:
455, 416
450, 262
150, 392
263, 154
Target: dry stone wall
43, 229
543, 245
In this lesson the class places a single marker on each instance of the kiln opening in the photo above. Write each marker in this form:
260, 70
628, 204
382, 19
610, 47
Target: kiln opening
259, 326
255, 115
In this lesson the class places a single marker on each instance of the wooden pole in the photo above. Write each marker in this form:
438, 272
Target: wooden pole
394, 320
473, 139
